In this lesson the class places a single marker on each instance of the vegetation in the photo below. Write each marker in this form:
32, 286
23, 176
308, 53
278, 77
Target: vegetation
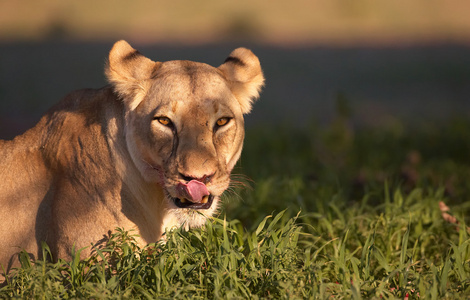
327, 212
275, 21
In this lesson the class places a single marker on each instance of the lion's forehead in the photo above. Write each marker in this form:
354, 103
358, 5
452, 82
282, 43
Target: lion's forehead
190, 78
191, 88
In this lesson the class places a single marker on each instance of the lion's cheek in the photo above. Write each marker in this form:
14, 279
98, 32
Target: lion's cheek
149, 159
229, 155
229, 146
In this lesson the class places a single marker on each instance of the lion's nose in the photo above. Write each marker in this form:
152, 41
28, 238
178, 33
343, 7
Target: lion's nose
204, 179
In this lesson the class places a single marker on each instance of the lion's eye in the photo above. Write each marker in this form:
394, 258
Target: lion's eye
222, 121
164, 121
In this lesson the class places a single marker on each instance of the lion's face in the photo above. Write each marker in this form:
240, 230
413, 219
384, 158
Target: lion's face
184, 123
187, 127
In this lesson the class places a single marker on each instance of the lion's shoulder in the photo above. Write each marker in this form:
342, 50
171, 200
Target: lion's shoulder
71, 131
77, 127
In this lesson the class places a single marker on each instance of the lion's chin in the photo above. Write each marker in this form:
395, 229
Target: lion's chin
194, 215
191, 215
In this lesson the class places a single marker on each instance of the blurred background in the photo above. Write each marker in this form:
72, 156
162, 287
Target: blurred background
385, 62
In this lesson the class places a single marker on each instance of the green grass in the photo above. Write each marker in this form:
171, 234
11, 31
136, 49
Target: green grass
327, 211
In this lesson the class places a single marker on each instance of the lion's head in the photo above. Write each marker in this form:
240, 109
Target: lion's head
184, 123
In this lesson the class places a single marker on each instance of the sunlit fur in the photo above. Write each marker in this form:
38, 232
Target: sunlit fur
100, 159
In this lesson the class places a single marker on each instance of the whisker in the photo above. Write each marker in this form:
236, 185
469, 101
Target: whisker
241, 180
240, 185
230, 194
241, 177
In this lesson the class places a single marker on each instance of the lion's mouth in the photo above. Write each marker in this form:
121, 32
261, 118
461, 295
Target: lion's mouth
206, 203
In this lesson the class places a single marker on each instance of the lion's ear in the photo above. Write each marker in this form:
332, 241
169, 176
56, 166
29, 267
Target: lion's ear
243, 72
126, 69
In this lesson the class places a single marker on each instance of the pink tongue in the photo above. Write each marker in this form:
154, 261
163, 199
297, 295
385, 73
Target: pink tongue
194, 191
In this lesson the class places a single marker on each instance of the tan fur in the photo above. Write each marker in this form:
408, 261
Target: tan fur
100, 160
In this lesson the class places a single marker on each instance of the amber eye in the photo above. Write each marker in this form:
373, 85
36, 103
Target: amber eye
222, 121
164, 121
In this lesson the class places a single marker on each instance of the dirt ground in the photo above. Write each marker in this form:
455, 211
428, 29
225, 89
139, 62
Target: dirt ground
382, 85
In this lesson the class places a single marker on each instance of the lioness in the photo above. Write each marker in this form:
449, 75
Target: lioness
152, 150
